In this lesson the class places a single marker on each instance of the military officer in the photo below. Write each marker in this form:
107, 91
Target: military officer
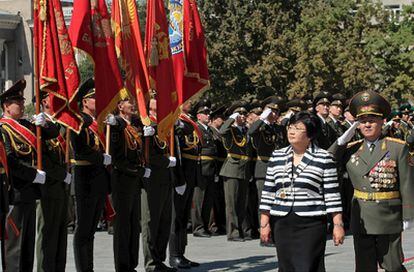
126, 183
327, 136
381, 170
295, 105
335, 117
188, 136
218, 218
405, 115
20, 143
51, 245
156, 198
235, 170
90, 176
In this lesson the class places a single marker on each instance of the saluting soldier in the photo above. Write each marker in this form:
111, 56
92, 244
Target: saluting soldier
188, 136
51, 245
295, 105
156, 198
267, 136
90, 176
126, 183
382, 171
406, 110
235, 170
327, 136
20, 143
395, 127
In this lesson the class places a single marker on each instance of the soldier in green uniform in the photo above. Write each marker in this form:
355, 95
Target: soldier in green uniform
382, 172
20, 143
266, 136
51, 245
126, 183
90, 176
293, 106
235, 170
335, 117
406, 110
189, 155
156, 198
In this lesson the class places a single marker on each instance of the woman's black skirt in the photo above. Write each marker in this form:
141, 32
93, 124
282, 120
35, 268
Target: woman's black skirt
300, 242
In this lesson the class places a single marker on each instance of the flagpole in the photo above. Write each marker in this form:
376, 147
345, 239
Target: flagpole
37, 93
172, 153
107, 139
67, 149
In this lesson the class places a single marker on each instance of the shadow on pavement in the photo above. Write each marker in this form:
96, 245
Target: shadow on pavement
254, 263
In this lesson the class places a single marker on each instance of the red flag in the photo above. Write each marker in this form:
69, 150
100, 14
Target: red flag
56, 67
90, 31
158, 54
128, 43
188, 50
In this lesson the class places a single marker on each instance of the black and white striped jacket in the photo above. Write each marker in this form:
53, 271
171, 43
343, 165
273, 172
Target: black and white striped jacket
312, 190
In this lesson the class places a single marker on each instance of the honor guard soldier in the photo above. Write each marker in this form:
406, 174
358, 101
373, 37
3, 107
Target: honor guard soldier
382, 171
395, 127
336, 110
156, 198
90, 176
235, 170
204, 191
267, 136
51, 245
188, 135
126, 183
327, 136
20, 143
293, 106
406, 110
218, 218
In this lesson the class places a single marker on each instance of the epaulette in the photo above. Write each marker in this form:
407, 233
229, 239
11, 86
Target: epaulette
354, 143
395, 140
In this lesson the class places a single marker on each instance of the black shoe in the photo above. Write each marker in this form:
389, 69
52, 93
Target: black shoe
202, 233
165, 268
192, 264
235, 239
179, 262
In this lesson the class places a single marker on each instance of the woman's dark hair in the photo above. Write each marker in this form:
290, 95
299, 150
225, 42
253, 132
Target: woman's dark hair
311, 121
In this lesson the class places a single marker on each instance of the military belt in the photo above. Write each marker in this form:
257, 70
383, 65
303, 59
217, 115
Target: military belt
2, 170
80, 163
263, 158
376, 195
207, 158
237, 156
190, 157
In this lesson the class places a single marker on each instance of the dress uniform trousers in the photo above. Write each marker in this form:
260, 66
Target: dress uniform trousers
251, 221
156, 208
203, 203
235, 191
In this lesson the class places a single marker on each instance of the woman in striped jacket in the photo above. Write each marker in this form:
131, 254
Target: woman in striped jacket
301, 188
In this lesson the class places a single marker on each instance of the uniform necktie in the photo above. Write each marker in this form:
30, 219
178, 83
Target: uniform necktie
371, 148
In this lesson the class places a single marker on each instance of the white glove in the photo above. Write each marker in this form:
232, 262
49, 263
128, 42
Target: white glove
389, 123
110, 120
68, 178
40, 177
265, 114
149, 131
11, 207
349, 133
234, 115
216, 178
179, 123
107, 159
147, 173
408, 224
173, 162
181, 189
40, 119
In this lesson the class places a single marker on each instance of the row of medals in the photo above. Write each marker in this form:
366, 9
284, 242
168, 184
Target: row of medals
383, 175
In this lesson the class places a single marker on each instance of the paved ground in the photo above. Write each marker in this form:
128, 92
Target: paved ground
216, 254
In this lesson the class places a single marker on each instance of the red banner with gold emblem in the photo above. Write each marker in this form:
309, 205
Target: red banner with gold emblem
188, 50
160, 69
130, 50
56, 67
90, 31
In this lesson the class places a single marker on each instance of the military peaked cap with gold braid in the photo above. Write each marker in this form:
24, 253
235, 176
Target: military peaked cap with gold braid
369, 103
14, 92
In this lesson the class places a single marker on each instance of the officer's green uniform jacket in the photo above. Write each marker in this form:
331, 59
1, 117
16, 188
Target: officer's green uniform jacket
265, 138
221, 154
387, 169
336, 125
235, 141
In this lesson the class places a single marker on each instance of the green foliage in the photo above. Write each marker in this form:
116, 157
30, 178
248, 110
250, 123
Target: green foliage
264, 47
